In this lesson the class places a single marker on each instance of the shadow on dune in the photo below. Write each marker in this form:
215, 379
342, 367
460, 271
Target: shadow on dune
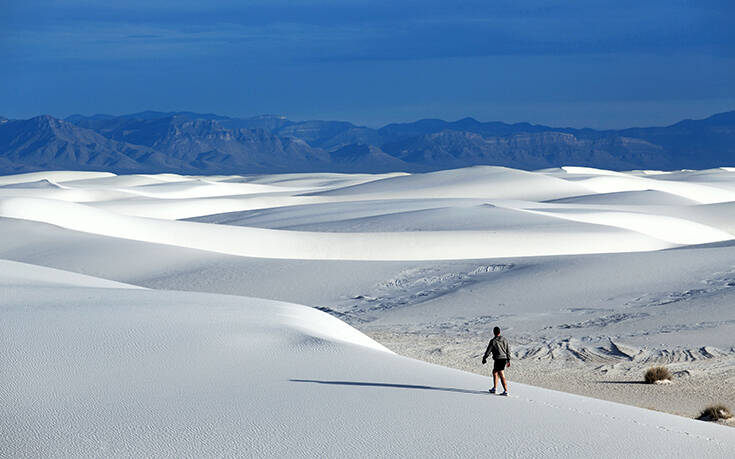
620, 382
391, 385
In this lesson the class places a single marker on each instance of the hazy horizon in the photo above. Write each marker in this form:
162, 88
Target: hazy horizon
376, 125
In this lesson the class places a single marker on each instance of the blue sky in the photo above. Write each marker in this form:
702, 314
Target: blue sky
575, 63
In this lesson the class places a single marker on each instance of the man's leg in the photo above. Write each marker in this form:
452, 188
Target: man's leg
495, 379
502, 380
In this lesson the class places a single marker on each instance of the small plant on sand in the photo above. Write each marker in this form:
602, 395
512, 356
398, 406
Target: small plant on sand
657, 374
715, 413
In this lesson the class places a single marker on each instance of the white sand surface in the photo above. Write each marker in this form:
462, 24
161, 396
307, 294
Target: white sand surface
404, 245
593, 275
102, 371
52, 176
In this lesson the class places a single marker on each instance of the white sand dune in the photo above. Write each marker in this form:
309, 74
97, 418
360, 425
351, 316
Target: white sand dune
634, 198
483, 182
479, 212
66, 194
43, 184
706, 187
96, 367
720, 215
176, 209
704, 194
387, 215
315, 180
127, 181
125, 372
14, 274
200, 188
669, 229
258, 242
585, 296
589, 171
54, 176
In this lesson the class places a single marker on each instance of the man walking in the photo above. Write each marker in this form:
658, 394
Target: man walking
500, 349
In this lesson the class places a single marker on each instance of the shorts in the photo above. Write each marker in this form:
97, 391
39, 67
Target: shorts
499, 365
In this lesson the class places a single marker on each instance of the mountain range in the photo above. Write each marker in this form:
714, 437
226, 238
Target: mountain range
194, 143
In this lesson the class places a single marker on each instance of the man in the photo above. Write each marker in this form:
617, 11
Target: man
501, 358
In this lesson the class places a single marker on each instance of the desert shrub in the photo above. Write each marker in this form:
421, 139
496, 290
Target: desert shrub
657, 374
715, 413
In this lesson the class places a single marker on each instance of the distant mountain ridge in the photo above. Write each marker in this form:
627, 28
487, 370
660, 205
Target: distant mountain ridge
193, 143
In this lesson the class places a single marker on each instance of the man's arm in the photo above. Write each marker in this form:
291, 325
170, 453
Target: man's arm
487, 352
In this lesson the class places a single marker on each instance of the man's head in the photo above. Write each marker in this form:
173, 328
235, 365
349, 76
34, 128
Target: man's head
496, 331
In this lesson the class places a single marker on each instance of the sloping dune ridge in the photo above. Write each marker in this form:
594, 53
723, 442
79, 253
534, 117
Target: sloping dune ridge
93, 368
105, 354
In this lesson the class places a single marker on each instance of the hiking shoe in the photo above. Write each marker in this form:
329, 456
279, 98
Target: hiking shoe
492, 391
505, 392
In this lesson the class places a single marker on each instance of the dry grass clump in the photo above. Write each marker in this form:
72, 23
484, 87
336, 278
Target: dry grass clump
715, 413
657, 374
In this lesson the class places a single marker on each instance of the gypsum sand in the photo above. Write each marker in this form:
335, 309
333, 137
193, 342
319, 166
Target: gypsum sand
695, 385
